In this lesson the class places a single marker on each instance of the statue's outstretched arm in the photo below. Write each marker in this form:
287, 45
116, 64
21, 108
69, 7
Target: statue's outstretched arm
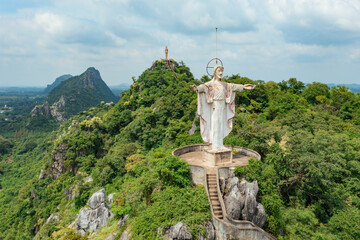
200, 88
249, 86
240, 87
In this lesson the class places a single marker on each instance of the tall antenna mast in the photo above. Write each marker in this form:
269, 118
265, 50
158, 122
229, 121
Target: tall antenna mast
217, 60
216, 47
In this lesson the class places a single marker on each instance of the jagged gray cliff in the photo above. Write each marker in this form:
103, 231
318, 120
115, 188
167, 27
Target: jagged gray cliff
240, 202
93, 217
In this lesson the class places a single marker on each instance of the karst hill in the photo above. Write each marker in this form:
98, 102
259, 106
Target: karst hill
74, 95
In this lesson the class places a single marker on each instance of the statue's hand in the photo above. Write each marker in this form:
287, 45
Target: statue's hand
193, 87
249, 86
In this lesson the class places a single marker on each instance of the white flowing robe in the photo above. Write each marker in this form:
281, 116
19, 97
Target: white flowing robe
216, 108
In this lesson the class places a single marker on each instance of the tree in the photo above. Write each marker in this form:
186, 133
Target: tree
292, 85
315, 89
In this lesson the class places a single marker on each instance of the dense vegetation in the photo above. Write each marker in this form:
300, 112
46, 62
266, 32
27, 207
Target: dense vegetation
308, 176
15, 108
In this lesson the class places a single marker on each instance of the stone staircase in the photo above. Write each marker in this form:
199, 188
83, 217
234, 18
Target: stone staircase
214, 198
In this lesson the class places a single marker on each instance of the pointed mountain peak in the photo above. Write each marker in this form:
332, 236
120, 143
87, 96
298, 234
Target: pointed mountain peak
92, 72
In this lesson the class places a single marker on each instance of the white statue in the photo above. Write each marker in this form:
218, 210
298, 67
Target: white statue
216, 108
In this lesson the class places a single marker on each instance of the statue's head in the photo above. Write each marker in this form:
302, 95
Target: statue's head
218, 71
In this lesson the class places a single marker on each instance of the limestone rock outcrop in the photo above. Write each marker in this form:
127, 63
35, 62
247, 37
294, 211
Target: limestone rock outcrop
53, 111
122, 221
58, 157
95, 216
179, 231
234, 203
210, 232
241, 204
42, 109
126, 234
165, 64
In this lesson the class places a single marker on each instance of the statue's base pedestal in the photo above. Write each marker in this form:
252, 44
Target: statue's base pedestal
220, 156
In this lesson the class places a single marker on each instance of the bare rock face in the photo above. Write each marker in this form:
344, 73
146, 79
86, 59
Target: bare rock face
42, 109
249, 191
111, 198
122, 221
93, 218
241, 204
210, 232
51, 111
166, 64
97, 199
260, 217
58, 157
42, 175
126, 235
179, 231
234, 203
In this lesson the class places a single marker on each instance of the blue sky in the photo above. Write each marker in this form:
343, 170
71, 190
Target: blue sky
312, 40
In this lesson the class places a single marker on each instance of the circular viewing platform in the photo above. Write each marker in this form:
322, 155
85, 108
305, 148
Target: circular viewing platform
201, 155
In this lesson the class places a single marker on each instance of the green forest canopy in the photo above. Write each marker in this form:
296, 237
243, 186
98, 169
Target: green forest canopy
308, 136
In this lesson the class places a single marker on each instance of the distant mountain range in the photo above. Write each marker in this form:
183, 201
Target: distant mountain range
119, 88
352, 86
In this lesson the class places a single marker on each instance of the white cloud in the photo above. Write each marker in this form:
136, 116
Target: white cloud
262, 39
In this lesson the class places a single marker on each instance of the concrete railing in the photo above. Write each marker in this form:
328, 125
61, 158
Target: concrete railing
190, 148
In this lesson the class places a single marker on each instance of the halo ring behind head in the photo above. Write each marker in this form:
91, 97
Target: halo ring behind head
217, 61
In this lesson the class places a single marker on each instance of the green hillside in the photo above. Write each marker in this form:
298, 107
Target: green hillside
308, 177
81, 92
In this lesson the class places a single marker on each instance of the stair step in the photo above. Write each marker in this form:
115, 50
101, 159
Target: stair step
216, 208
